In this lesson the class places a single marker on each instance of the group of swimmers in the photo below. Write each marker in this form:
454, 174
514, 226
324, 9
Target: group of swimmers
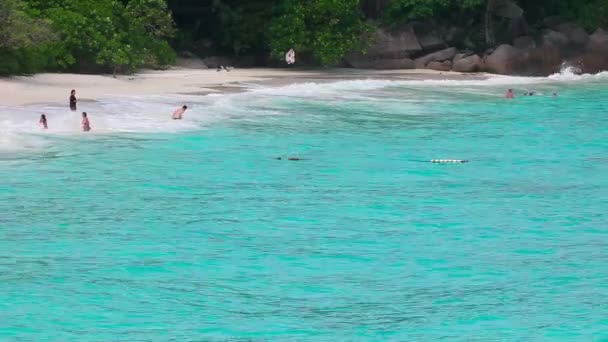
86, 125
511, 94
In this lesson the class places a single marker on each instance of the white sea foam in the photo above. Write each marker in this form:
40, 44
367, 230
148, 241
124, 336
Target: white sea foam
570, 73
151, 114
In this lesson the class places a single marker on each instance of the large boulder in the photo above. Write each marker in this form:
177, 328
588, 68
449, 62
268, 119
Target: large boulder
431, 41
471, 63
440, 66
390, 45
428, 37
439, 56
553, 22
455, 36
518, 27
595, 57
576, 35
598, 42
397, 43
524, 43
395, 63
504, 60
554, 39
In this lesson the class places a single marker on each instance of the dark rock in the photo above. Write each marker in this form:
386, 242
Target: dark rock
576, 35
394, 44
542, 61
518, 27
455, 36
467, 64
553, 22
440, 66
431, 41
504, 60
595, 57
397, 63
428, 36
439, 56
214, 62
598, 42
554, 38
390, 45
524, 43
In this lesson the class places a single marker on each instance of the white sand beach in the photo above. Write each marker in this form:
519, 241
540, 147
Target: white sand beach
55, 88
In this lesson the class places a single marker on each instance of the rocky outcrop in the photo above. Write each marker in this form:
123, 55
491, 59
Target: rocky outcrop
576, 36
595, 57
439, 56
524, 43
534, 52
390, 46
504, 60
598, 42
397, 63
471, 63
440, 66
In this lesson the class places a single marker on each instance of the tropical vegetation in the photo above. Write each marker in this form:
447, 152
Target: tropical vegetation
120, 36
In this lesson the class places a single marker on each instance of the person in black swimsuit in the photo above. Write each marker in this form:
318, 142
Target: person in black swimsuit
73, 100
42, 122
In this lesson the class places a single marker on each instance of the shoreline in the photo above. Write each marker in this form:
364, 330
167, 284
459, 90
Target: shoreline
54, 88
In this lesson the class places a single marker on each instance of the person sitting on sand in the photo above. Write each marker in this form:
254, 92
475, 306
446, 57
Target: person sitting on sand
86, 126
73, 100
178, 113
42, 122
510, 94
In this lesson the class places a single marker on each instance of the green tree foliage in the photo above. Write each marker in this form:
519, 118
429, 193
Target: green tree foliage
327, 29
106, 35
23, 39
401, 11
243, 24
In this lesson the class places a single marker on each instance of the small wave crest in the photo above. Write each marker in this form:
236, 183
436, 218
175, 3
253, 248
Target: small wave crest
572, 73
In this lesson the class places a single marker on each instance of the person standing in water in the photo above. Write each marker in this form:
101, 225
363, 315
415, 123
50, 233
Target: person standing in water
42, 122
86, 126
178, 113
510, 94
73, 100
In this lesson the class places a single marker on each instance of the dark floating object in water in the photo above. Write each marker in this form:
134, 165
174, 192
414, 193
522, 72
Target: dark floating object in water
290, 158
449, 161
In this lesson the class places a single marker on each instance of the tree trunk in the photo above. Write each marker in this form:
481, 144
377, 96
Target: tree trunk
489, 23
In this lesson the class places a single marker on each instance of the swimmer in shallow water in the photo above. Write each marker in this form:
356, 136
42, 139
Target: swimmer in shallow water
42, 122
86, 125
179, 113
510, 94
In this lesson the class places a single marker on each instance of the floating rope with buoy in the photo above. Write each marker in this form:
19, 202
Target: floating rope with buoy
449, 161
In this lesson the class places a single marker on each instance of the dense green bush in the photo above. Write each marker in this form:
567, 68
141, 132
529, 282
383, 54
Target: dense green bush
327, 29
84, 35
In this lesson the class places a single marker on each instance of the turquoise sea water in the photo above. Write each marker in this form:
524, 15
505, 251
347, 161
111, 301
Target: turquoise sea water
153, 230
